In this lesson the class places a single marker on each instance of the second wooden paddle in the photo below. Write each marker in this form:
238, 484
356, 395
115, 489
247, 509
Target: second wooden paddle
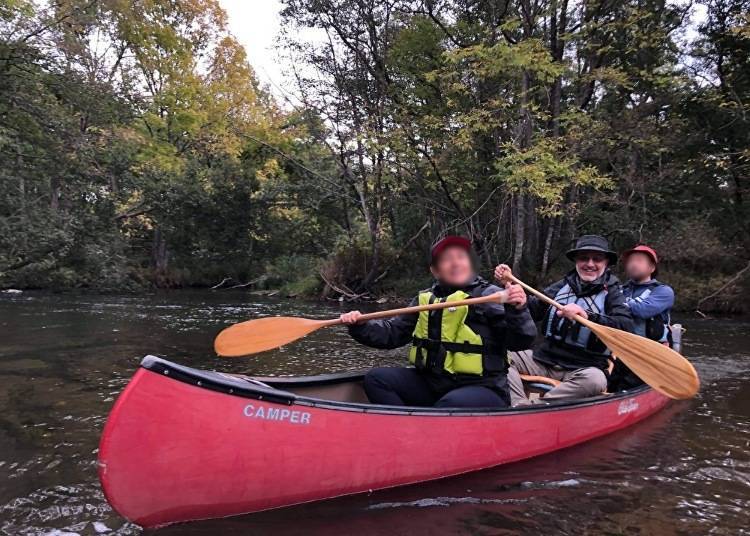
271, 332
656, 364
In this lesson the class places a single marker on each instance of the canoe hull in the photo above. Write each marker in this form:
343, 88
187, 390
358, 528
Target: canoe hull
172, 451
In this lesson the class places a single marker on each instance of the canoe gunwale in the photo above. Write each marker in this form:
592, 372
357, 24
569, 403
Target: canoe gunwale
243, 387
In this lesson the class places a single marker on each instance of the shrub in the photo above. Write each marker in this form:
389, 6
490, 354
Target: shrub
289, 269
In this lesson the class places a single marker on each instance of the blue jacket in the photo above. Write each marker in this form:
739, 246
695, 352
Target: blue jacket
647, 301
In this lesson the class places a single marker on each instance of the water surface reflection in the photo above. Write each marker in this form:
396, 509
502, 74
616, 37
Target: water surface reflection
64, 359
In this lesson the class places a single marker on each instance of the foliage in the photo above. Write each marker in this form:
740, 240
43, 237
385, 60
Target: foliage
127, 140
545, 171
138, 148
524, 126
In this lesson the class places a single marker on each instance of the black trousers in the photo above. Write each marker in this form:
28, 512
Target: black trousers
407, 387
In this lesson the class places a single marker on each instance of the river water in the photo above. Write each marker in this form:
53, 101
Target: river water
65, 358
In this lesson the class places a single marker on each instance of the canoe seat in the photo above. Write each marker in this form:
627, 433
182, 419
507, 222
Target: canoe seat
537, 386
544, 387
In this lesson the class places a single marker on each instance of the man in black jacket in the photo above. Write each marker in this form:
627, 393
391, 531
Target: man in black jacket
459, 353
570, 353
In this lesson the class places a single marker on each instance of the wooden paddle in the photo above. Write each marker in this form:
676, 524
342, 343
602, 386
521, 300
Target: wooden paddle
271, 332
656, 364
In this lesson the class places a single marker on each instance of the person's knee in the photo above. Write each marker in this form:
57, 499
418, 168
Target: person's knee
379, 386
593, 380
452, 400
391, 379
474, 397
521, 360
376, 374
517, 391
378, 378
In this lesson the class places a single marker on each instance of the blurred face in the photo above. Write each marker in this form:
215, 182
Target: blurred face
453, 267
639, 267
590, 265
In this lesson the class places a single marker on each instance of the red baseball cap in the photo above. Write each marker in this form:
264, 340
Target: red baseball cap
641, 249
449, 241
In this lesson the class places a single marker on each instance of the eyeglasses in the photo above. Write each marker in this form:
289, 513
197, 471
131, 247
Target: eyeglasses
593, 258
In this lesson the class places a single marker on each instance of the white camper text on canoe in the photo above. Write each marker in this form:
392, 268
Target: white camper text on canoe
277, 414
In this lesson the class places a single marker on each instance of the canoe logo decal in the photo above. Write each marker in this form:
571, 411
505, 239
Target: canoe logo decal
627, 406
275, 414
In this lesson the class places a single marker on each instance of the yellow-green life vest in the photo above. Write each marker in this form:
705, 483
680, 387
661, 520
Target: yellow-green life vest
458, 350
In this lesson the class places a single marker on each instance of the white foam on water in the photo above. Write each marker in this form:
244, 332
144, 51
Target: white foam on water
100, 527
440, 501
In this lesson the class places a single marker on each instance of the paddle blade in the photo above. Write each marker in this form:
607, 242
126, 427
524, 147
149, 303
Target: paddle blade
263, 334
656, 364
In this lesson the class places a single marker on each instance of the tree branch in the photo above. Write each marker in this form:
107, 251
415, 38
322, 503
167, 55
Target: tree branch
720, 289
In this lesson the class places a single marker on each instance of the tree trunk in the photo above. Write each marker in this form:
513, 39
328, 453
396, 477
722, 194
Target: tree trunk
520, 235
558, 27
159, 256
547, 246
523, 140
572, 231
374, 261
54, 202
374, 225
22, 194
21, 186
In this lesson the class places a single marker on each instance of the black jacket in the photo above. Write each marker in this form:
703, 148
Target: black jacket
616, 315
513, 329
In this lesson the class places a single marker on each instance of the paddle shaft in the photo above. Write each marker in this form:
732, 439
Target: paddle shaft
535, 292
496, 297
586, 322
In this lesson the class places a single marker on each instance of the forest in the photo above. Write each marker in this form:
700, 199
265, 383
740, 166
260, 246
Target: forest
138, 148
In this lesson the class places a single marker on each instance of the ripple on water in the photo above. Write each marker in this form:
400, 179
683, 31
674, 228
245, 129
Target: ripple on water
441, 501
71, 509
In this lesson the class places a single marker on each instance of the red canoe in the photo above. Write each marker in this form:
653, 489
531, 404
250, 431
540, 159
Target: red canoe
182, 444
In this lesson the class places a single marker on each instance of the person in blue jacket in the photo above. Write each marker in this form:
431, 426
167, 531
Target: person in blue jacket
650, 301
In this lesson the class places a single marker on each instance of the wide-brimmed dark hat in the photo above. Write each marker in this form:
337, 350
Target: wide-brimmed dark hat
592, 243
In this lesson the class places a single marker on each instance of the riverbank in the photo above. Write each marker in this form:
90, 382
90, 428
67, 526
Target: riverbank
341, 277
733, 304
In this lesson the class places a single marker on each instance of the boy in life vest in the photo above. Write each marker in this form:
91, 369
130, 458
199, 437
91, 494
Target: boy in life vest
650, 302
569, 352
459, 353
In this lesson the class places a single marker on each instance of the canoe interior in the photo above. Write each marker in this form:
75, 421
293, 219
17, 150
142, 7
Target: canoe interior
343, 389
350, 388
350, 391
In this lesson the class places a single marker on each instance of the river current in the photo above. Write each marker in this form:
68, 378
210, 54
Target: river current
65, 358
